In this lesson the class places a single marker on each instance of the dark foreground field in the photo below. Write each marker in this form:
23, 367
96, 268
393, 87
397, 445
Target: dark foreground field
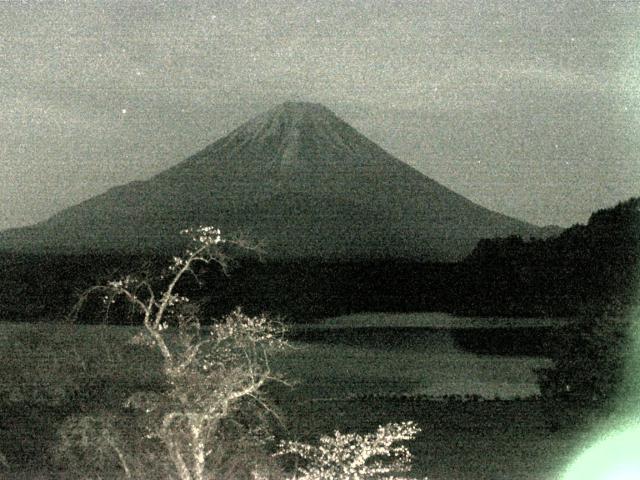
352, 381
459, 440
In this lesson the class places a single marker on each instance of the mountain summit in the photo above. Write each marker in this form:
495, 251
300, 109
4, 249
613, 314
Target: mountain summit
296, 178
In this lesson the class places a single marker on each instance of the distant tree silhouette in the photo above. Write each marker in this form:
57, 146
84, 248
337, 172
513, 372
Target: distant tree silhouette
586, 269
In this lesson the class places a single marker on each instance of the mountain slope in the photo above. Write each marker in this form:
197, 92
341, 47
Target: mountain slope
298, 179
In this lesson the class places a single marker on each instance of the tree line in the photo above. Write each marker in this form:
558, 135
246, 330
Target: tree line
585, 270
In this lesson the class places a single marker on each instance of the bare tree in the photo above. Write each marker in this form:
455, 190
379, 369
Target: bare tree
211, 372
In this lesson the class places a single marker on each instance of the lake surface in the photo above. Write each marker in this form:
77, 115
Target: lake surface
435, 320
412, 354
415, 354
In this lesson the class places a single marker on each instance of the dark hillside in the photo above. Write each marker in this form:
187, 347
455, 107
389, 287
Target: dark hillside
587, 268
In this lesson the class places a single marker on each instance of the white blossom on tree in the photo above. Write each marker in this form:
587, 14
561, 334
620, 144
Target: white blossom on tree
350, 456
210, 373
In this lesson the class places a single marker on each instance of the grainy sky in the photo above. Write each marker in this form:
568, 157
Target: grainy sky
530, 108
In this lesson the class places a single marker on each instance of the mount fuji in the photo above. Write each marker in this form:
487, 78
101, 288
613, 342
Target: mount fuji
297, 179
